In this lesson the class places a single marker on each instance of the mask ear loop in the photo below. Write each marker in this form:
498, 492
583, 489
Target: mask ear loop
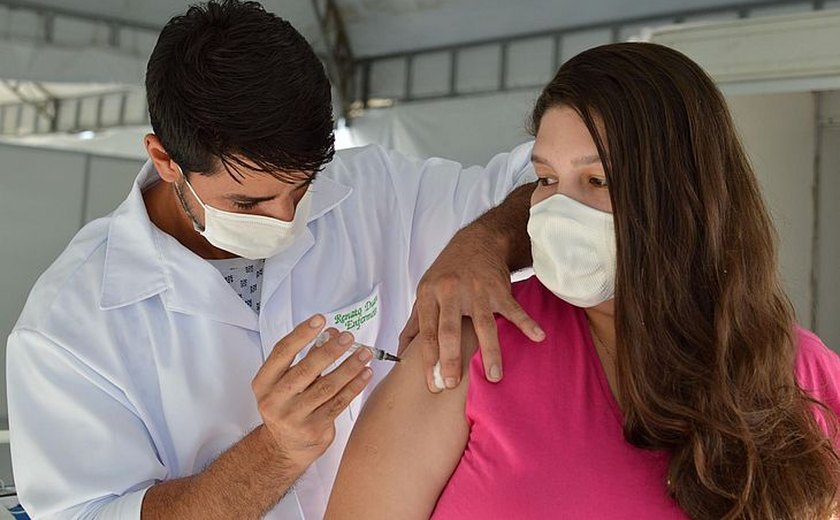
198, 228
187, 182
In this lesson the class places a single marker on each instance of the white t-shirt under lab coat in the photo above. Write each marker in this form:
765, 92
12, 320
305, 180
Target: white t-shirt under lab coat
132, 361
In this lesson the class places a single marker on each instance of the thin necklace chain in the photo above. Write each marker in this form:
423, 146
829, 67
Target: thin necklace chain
599, 343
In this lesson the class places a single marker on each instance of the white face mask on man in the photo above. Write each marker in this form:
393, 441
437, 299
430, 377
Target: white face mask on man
573, 247
254, 237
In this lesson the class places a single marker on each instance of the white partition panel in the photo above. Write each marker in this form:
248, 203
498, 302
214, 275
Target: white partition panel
470, 130
41, 195
828, 245
778, 132
109, 182
782, 52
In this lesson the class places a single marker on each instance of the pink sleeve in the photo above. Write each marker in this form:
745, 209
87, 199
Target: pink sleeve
818, 372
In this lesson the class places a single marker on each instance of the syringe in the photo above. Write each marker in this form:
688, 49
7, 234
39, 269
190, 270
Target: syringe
378, 353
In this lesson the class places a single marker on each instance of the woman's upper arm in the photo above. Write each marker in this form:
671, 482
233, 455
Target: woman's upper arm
404, 446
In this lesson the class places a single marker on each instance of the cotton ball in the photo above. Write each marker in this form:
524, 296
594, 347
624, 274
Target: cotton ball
438, 377
322, 339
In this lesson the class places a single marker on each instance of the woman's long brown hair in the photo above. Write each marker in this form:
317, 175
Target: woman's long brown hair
705, 334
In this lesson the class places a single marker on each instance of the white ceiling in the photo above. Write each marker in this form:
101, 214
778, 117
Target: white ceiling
384, 26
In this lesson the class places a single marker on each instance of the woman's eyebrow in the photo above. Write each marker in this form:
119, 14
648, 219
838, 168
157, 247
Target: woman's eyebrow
580, 161
586, 160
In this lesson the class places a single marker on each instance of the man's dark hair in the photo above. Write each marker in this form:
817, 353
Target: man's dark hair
233, 84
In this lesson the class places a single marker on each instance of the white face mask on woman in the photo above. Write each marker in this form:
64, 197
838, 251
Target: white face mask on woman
573, 246
254, 237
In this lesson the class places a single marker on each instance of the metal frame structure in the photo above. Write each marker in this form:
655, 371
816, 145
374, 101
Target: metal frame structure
51, 112
339, 59
49, 13
352, 77
49, 106
365, 65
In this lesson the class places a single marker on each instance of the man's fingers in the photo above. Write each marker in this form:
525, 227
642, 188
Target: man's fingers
409, 332
427, 316
487, 333
326, 387
284, 353
332, 408
449, 337
300, 376
511, 310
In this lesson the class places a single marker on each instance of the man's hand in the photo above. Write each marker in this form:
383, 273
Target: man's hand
471, 277
299, 406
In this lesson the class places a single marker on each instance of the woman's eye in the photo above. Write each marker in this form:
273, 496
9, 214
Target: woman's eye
546, 181
598, 182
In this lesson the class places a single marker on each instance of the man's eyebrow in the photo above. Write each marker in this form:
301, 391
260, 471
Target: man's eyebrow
249, 199
239, 197
537, 159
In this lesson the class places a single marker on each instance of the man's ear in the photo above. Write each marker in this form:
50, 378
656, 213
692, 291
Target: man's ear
165, 166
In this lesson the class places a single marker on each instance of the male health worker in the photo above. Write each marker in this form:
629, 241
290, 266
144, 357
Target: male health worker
162, 365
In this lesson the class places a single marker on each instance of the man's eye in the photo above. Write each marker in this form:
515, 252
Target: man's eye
546, 181
244, 205
598, 182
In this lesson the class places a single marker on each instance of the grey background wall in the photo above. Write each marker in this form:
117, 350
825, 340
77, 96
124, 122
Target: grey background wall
827, 281
778, 131
45, 197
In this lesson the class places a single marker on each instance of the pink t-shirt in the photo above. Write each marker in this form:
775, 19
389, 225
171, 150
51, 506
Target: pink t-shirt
547, 442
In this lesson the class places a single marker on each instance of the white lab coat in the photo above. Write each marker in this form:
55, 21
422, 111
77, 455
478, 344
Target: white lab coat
132, 360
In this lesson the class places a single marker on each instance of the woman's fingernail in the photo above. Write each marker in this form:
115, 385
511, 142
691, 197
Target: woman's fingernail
316, 321
365, 355
495, 373
345, 338
539, 332
451, 382
367, 373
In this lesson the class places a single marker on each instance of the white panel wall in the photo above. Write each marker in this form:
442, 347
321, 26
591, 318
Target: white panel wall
479, 68
530, 63
778, 132
430, 73
828, 266
763, 50
45, 196
387, 79
109, 183
470, 130
575, 43
41, 195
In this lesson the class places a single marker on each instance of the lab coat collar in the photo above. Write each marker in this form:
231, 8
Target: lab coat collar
133, 262
141, 261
